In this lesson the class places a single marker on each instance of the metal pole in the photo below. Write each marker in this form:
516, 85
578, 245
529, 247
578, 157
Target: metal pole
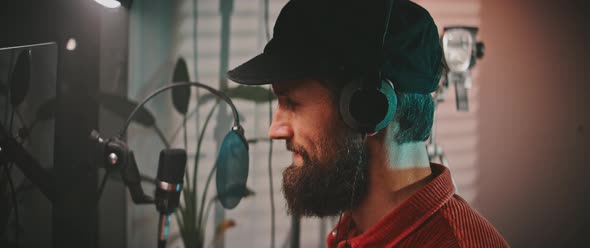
295, 230
225, 8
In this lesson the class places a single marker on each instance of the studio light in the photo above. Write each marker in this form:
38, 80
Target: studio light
71, 44
458, 46
109, 3
115, 3
460, 49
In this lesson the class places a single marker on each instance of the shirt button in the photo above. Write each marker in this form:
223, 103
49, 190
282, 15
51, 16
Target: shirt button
334, 233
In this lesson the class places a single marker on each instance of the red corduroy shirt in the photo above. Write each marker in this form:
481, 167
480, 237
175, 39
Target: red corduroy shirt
434, 216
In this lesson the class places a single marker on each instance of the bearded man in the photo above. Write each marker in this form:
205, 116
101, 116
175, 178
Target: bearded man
353, 81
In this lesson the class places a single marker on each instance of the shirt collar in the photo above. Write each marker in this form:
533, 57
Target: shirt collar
404, 219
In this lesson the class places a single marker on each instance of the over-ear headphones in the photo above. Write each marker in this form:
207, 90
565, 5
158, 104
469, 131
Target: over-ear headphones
368, 105
368, 109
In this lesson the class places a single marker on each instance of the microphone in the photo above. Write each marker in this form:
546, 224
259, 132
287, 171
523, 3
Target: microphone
171, 169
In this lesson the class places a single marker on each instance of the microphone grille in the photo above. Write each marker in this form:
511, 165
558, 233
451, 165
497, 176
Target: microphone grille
171, 166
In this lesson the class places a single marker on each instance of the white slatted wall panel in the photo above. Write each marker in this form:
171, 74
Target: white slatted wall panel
457, 131
247, 40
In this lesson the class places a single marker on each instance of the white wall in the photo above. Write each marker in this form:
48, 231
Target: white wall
533, 122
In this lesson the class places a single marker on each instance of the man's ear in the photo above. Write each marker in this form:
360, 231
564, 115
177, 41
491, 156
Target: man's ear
385, 134
391, 130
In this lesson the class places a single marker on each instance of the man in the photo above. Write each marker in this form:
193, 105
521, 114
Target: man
376, 176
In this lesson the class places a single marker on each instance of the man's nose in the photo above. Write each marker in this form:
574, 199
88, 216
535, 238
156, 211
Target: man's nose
280, 127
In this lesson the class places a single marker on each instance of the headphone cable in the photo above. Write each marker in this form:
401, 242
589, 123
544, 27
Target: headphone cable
272, 204
102, 185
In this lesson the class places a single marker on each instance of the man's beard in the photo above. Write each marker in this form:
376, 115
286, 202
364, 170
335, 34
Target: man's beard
328, 187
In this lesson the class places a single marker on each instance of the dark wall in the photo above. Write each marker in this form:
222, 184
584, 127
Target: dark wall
114, 32
534, 122
75, 212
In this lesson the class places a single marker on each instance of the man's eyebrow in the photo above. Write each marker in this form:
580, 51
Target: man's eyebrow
280, 91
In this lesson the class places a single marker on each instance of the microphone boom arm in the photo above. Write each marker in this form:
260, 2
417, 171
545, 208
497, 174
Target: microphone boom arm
219, 94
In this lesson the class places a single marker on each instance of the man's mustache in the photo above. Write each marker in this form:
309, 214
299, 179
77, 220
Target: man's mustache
294, 148
297, 148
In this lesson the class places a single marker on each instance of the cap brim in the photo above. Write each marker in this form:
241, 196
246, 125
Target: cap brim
268, 69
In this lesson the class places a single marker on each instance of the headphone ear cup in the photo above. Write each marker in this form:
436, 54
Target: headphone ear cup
388, 91
345, 104
367, 110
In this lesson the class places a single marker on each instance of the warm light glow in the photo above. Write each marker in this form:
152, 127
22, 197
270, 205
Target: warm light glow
458, 48
71, 45
109, 3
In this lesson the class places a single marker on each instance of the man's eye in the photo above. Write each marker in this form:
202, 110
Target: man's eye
291, 104
287, 103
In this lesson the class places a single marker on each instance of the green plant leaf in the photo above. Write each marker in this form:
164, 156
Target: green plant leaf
198, 153
192, 226
181, 95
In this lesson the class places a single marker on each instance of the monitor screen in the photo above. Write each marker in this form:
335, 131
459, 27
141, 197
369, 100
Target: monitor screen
30, 115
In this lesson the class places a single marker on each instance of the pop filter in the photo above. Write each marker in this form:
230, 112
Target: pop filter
232, 169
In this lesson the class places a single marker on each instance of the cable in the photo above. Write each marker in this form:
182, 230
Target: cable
102, 186
337, 238
272, 201
213, 91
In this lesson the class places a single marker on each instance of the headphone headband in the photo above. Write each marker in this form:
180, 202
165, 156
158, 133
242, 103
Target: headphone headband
375, 93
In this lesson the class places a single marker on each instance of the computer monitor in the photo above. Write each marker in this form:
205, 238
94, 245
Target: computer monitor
27, 110
33, 123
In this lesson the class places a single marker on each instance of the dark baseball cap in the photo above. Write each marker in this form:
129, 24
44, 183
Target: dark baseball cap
323, 39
